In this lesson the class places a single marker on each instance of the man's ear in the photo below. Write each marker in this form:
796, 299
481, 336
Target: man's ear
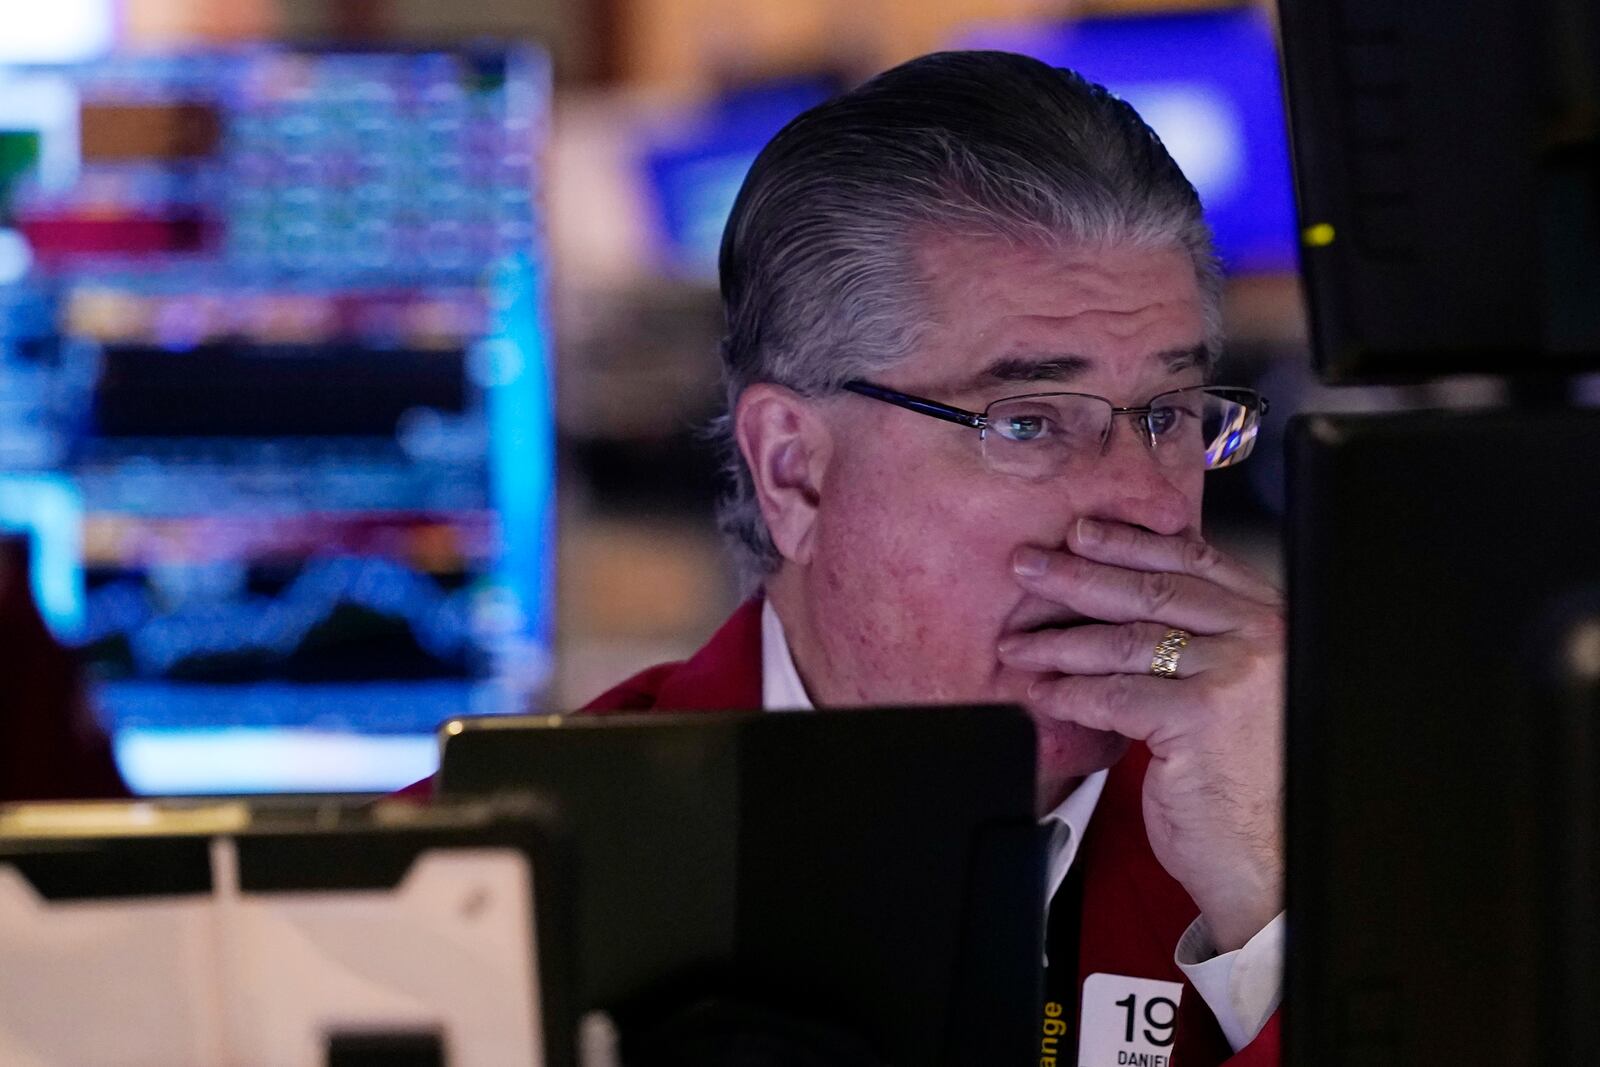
786, 446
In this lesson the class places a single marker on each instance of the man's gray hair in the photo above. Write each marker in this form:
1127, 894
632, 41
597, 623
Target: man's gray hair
818, 266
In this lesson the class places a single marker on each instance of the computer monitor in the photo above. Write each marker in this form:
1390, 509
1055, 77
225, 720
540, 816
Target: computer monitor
271, 323
696, 162
873, 876
1208, 83
1444, 739
1448, 162
304, 933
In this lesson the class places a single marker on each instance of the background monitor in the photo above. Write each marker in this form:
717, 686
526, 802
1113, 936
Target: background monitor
1208, 84
695, 164
1448, 159
272, 335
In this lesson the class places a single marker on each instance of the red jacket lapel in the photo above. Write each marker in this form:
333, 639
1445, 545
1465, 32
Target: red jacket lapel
725, 675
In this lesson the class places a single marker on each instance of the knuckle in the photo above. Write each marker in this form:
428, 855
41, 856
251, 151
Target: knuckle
1131, 647
1156, 590
1199, 557
1117, 695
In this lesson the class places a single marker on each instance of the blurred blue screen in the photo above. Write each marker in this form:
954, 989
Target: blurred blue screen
695, 168
1208, 84
275, 401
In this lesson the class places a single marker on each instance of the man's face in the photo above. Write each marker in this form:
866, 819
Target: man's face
911, 580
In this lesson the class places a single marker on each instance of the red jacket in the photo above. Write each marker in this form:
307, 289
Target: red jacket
1133, 911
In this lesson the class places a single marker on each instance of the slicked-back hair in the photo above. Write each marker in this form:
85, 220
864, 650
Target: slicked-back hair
818, 264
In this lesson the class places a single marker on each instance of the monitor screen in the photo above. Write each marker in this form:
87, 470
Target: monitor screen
274, 331
696, 164
1208, 84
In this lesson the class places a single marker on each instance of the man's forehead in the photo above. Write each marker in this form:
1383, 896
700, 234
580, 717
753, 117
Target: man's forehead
1005, 312
1082, 276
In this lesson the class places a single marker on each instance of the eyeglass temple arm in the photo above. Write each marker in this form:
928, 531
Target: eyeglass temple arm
948, 413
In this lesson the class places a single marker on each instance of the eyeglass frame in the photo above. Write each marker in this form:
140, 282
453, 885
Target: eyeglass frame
974, 420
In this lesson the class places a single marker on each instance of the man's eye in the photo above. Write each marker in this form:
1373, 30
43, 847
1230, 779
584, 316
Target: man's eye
1024, 428
1166, 420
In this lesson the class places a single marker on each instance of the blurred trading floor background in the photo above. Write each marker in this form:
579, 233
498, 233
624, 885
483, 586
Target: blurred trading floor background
355, 356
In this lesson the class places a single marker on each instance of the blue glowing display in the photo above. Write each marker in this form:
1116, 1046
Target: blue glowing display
275, 401
1208, 83
696, 166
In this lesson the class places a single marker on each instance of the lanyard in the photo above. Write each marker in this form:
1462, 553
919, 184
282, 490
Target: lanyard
1058, 1028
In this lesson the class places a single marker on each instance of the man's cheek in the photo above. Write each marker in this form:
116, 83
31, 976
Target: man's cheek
911, 539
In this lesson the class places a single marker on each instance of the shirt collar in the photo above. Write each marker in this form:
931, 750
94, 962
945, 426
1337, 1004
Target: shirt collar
781, 688
1067, 823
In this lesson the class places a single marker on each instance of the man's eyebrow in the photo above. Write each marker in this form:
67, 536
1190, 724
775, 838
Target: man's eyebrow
1179, 360
1041, 368
1063, 368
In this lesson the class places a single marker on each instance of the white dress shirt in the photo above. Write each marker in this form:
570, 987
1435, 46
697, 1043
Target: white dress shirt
1242, 988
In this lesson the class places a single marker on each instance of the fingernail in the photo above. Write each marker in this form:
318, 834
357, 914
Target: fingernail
1036, 690
1088, 531
1030, 562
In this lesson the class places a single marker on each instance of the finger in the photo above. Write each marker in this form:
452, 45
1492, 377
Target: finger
1140, 708
1090, 649
1122, 545
1116, 594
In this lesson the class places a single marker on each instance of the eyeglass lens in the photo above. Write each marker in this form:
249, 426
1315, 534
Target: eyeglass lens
1039, 436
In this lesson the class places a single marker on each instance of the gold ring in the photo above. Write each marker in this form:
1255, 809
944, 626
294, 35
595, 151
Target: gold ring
1168, 649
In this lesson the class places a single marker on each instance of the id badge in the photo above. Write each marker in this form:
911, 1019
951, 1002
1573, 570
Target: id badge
1128, 1022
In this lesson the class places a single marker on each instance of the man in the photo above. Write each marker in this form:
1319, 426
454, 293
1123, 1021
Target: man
971, 306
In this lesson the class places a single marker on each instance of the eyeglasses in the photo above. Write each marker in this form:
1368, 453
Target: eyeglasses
1042, 435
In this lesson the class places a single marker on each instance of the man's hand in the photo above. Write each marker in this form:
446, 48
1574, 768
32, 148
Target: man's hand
1213, 797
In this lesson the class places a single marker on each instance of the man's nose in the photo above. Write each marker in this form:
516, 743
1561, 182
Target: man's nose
1128, 484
